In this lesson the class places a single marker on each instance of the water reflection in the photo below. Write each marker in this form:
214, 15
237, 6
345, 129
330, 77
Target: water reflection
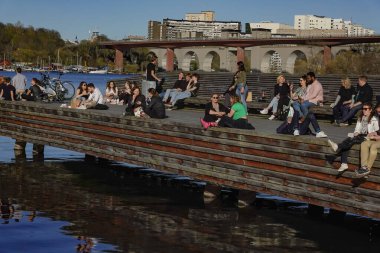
88, 208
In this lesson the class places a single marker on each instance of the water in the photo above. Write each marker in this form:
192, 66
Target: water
63, 204
100, 80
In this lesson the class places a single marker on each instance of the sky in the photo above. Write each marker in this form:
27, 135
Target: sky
119, 18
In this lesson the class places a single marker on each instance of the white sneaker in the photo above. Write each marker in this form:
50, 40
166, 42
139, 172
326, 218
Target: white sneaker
321, 134
272, 117
296, 132
82, 107
343, 167
264, 111
333, 145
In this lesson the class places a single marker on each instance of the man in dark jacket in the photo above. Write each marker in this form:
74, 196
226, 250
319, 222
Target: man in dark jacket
34, 93
363, 95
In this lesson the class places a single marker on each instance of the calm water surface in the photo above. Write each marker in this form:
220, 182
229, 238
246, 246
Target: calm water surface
99, 80
63, 204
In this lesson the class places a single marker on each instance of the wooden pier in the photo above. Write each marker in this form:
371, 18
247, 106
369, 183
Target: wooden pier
286, 166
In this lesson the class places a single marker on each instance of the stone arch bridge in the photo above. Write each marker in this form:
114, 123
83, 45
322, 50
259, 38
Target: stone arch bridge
263, 54
261, 58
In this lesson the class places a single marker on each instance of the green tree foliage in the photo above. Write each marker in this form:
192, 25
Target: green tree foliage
359, 60
25, 44
33, 45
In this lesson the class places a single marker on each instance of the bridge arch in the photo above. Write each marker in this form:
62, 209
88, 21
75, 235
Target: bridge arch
211, 61
271, 62
190, 61
293, 59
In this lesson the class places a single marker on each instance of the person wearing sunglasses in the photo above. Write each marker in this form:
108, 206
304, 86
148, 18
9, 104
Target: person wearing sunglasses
366, 126
368, 150
237, 117
214, 111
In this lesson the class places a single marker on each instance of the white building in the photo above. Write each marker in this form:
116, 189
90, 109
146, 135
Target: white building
357, 30
310, 22
274, 27
307, 22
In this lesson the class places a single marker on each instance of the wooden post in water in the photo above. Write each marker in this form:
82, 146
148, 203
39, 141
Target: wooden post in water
315, 211
336, 215
20, 145
38, 149
211, 193
246, 198
89, 158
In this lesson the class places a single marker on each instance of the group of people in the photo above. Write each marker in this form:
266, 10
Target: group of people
295, 102
13, 89
234, 112
346, 106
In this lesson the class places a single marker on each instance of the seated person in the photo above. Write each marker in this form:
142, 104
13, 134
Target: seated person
214, 111
343, 100
368, 150
111, 93
126, 92
136, 101
94, 97
366, 125
2, 86
34, 93
363, 95
298, 94
155, 108
81, 94
179, 86
281, 91
293, 126
8, 91
191, 90
313, 96
236, 118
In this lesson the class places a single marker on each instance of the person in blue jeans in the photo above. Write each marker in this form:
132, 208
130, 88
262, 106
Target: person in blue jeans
314, 94
291, 125
364, 95
241, 84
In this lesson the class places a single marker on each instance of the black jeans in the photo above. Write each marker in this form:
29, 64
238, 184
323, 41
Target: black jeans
346, 145
239, 123
288, 128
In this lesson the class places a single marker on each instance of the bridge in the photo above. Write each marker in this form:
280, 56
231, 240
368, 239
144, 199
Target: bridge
237, 48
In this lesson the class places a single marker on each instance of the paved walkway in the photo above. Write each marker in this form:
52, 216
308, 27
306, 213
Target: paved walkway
261, 123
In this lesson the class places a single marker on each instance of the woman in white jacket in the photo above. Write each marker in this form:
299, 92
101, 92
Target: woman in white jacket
366, 125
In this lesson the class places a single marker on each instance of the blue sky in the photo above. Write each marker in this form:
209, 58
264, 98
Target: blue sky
119, 18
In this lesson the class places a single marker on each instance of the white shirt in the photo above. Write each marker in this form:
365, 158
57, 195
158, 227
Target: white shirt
373, 126
19, 81
96, 96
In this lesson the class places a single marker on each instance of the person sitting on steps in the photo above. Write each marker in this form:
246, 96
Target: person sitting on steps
191, 91
281, 91
368, 150
366, 126
292, 125
236, 118
214, 111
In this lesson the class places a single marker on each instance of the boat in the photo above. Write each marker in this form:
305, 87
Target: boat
99, 71
9, 70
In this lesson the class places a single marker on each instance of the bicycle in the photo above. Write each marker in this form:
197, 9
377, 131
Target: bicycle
60, 90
